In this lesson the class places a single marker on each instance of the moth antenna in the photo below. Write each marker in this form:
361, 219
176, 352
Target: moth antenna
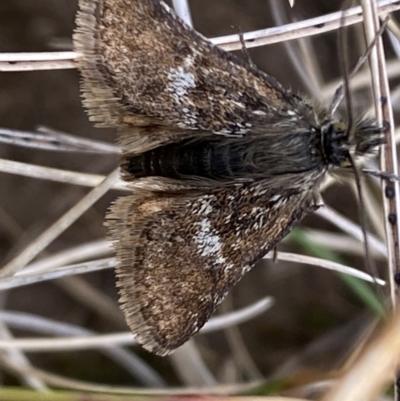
344, 66
275, 255
245, 50
369, 264
383, 175
338, 96
351, 128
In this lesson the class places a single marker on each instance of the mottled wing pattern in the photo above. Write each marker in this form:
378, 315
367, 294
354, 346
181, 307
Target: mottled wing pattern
182, 244
179, 256
143, 67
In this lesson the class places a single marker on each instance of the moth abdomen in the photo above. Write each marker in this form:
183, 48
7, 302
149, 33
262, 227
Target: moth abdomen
212, 159
221, 159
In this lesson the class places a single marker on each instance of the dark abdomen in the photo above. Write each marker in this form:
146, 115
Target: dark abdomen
230, 158
208, 159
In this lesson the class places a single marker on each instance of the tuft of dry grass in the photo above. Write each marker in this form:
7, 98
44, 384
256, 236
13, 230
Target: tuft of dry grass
305, 332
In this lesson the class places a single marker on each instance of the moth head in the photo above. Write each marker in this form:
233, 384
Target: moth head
339, 141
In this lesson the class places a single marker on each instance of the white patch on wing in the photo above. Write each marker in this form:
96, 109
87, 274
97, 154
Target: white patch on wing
180, 80
205, 208
209, 244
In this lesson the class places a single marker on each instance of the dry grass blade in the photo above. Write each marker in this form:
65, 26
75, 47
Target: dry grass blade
97, 341
61, 225
315, 26
296, 30
373, 370
132, 363
51, 140
388, 154
53, 174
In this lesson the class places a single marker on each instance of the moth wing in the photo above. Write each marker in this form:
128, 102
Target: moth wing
143, 67
179, 256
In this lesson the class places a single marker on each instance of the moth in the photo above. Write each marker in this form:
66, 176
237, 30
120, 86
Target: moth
221, 159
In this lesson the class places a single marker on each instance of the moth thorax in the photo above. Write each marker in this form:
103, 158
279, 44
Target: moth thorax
335, 143
338, 142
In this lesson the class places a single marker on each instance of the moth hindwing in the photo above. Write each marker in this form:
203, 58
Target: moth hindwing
221, 159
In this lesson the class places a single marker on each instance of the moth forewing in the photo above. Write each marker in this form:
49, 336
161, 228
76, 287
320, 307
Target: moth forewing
178, 258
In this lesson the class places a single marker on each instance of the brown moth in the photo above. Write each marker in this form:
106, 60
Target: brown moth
221, 159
